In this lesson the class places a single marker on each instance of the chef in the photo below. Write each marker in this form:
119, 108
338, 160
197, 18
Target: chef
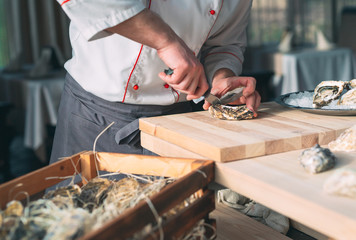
120, 51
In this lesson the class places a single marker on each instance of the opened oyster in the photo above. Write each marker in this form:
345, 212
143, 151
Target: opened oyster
345, 142
348, 98
327, 91
342, 182
226, 112
317, 159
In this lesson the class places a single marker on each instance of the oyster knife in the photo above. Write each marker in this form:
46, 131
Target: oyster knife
211, 98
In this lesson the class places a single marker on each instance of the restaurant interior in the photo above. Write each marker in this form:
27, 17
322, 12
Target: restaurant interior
292, 46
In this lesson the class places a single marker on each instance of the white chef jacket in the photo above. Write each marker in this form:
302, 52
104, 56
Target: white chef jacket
118, 69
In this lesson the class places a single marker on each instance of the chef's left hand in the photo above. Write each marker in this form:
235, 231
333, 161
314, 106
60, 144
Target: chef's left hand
224, 81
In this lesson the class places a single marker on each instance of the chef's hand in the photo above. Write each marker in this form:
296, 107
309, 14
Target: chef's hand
224, 80
188, 73
149, 29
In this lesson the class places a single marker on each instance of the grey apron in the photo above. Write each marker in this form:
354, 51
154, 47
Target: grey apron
82, 116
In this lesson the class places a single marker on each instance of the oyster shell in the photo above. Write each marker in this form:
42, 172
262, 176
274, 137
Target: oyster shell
226, 112
351, 84
348, 98
345, 142
317, 159
94, 193
342, 182
66, 191
327, 91
13, 208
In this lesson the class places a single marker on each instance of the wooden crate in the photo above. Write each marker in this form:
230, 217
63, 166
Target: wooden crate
192, 175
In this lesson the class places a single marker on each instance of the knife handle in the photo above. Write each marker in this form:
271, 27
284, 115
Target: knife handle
168, 71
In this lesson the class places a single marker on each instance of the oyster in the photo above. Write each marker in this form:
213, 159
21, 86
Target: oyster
345, 142
317, 159
342, 182
351, 84
94, 193
66, 191
226, 112
13, 208
348, 98
327, 91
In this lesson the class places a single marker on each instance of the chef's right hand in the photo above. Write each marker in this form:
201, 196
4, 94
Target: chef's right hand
188, 73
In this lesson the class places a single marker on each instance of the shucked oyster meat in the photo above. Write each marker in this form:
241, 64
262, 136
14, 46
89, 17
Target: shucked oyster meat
227, 112
327, 91
317, 159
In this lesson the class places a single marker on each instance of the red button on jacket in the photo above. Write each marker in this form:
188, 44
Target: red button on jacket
166, 85
212, 12
135, 87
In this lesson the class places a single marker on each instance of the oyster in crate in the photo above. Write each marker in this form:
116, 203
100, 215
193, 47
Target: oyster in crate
13, 208
327, 91
345, 142
317, 159
94, 193
348, 98
226, 112
66, 191
342, 182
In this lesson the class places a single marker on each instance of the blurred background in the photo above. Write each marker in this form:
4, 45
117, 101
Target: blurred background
292, 45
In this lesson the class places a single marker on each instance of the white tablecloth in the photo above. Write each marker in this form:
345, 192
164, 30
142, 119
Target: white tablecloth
303, 70
38, 99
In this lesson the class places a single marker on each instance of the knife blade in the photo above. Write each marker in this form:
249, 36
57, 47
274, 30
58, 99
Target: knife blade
225, 99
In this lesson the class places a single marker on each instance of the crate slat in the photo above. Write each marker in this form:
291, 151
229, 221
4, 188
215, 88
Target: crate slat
166, 199
37, 181
189, 216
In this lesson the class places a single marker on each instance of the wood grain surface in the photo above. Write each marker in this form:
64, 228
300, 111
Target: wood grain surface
277, 129
279, 182
231, 224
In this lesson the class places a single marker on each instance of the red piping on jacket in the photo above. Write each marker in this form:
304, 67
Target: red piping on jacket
65, 1
225, 53
222, 3
128, 80
139, 54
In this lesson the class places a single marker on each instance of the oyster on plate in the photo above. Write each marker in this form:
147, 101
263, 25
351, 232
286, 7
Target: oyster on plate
342, 182
327, 91
348, 98
317, 159
351, 84
226, 112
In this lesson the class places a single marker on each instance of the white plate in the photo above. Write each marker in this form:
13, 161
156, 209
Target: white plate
337, 112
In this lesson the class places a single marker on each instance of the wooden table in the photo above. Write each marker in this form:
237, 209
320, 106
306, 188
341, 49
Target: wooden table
268, 169
36, 102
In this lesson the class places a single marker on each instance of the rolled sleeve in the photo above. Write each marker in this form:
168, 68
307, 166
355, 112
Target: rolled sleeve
225, 46
92, 17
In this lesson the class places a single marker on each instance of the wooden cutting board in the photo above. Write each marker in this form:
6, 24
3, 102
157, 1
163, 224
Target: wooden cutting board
277, 129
